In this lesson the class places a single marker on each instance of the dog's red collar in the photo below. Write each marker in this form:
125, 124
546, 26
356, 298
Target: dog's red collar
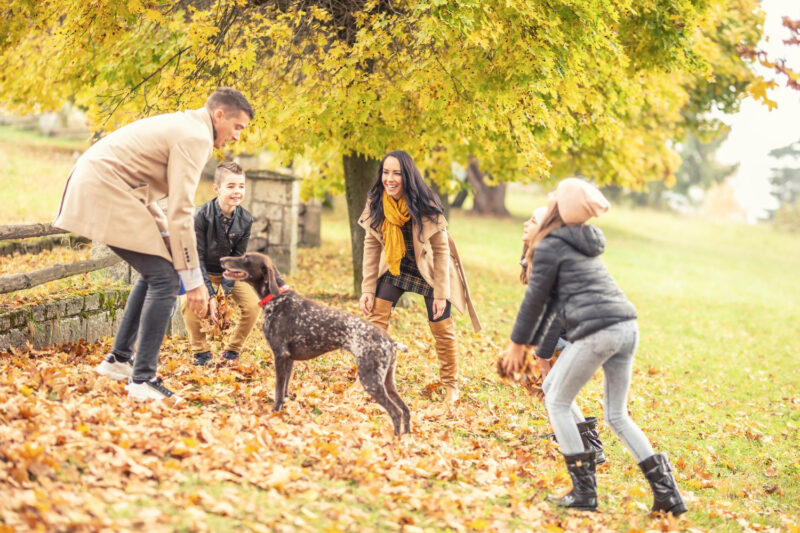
268, 298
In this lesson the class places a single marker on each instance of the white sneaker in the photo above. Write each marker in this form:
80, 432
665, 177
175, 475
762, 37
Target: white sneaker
150, 390
114, 369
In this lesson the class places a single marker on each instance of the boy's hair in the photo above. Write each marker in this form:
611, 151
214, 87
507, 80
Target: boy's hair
230, 100
226, 166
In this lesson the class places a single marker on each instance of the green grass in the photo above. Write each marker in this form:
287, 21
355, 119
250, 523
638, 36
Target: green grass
716, 381
35, 169
34, 172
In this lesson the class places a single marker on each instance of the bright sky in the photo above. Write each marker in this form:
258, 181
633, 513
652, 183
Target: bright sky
755, 130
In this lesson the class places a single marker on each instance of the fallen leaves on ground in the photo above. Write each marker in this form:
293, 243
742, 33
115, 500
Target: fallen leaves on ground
216, 329
529, 377
77, 454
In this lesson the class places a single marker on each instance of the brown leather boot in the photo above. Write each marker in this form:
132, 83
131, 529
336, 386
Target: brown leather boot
444, 334
381, 311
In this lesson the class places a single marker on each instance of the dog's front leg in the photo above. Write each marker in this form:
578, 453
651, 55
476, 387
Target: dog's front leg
283, 371
290, 365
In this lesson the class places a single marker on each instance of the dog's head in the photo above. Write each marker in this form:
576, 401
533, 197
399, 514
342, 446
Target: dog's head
256, 269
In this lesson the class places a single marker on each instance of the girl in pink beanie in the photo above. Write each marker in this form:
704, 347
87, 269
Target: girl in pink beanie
567, 281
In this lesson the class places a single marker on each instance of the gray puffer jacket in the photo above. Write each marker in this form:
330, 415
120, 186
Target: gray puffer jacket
569, 280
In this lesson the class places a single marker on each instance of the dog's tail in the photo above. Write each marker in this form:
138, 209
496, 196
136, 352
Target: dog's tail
400, 347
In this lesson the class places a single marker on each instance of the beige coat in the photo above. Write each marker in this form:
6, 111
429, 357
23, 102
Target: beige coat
112, 190
437, 259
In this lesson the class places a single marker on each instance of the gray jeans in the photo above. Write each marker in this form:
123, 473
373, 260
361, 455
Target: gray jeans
577, 415
147, 311
612, 348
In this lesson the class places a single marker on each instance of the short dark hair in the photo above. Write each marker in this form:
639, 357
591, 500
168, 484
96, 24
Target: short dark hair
226, 166
229, 99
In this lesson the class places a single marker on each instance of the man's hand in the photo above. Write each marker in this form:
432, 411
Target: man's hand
366, 302
197, 300
513, 358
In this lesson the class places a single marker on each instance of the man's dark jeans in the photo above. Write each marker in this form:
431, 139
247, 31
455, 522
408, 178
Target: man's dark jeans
147, 312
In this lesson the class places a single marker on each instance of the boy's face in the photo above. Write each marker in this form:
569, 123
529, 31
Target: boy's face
230, 189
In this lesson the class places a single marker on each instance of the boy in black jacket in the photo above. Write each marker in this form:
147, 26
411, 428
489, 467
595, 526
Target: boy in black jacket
223, 227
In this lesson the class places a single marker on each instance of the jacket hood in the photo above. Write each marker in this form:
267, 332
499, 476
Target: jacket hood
588, 240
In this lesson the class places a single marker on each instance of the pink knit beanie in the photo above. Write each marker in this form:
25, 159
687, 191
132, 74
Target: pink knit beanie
579, 200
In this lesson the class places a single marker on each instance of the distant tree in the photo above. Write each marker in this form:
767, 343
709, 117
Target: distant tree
785, 183
489, 195
699, 170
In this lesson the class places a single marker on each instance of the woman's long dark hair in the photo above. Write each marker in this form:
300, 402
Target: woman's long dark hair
420, 199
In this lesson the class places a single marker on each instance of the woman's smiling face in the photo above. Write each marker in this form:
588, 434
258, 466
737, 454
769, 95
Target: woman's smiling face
392, 177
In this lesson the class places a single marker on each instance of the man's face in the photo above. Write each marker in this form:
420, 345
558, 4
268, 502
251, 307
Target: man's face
229, 125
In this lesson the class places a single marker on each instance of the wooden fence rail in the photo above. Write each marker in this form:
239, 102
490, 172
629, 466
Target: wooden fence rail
16, 282
26, 231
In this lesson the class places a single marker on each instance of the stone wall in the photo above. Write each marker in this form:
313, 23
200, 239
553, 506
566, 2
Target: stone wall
90, 317
309, 224
273, 200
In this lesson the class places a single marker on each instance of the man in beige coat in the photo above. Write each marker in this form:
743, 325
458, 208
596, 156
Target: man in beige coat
111, 196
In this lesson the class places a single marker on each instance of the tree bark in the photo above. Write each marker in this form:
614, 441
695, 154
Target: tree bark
488, 199
459, 199
359, 175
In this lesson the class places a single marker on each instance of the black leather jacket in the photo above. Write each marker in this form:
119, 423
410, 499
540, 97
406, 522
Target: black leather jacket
213, 242
569, 280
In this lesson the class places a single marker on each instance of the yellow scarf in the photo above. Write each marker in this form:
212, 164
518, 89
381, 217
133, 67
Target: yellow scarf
395, 215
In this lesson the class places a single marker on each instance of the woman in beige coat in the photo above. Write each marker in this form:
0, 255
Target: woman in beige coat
407, 248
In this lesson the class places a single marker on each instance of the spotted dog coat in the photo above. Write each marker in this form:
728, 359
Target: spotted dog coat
298, 329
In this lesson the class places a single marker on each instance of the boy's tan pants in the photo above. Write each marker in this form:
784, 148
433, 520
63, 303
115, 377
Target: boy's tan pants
244, 297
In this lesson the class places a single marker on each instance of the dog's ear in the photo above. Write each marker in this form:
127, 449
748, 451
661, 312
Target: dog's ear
269, 270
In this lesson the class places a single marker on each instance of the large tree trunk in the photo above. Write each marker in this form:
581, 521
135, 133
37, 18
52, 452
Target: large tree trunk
488, 199
359, 175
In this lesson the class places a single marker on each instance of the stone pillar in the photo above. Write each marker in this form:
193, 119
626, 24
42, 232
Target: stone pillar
273, 198
309, 225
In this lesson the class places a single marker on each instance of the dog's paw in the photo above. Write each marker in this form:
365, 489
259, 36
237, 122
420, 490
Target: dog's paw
400, 347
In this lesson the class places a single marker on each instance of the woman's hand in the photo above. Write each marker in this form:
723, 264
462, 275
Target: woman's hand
439, 305
366, 302
513, 358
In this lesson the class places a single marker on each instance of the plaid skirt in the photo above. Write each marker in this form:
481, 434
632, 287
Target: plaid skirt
409, 278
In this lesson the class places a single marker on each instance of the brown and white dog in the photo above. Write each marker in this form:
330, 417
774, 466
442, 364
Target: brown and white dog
298, 329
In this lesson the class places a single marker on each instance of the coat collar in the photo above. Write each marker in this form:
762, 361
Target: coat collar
202, 115
429, 227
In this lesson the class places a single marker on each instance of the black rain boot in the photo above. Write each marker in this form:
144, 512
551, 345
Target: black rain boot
583, 495
666, 496
591, 438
